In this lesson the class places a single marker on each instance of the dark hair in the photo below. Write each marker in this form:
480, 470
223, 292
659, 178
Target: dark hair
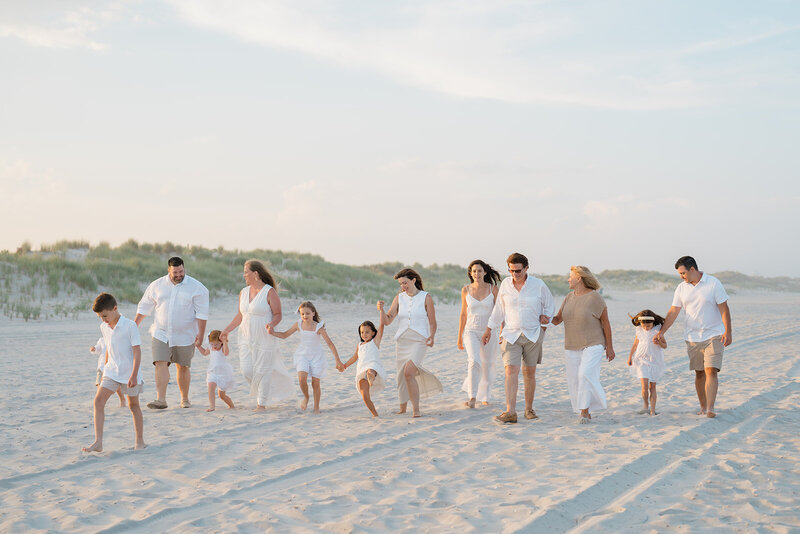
258, 267
491, 276
657, 319
104, 302
213, 336
410, 273
307, 304
174, 261
369, 324
687, 262
517, 258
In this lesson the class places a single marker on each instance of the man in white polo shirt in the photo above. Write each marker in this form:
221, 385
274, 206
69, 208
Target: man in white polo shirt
180, 304
707, 328
523, 308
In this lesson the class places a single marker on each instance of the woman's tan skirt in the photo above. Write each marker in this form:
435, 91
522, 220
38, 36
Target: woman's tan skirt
411, 346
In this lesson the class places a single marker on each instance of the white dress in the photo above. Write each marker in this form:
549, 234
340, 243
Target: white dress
481, 359
648, 359
310, 355
411, 335
260, 362
369, 358
220, 371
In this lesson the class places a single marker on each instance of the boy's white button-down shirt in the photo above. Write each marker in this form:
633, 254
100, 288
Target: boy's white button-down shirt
700, 306
177, 308
120, 341
520, 310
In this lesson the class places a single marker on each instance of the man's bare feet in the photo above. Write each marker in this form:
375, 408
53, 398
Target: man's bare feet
140, 446
316, 411
417, 414
97, 446
402, 409
700, 412
711, 414
210, 409
304, 404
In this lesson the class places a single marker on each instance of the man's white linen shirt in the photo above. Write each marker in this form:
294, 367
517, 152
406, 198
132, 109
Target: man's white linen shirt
120, 341
703, 319
520, 310
177, 308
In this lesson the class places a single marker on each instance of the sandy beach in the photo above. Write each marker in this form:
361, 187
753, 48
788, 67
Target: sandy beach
452, 470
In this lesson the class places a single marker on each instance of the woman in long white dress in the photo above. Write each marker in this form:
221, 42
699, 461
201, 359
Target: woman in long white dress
260, 363
414, 308
477, 301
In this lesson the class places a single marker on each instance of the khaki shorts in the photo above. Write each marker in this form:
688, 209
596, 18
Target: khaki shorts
706, 353
523, 350
164, 353
108, 383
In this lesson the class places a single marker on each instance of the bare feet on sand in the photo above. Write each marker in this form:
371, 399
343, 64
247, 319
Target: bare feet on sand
260, 408
140, 446
711, 414
643, 410
94, 447
211, 409
304, 404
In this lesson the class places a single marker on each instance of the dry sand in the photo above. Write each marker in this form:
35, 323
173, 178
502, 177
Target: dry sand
452, 470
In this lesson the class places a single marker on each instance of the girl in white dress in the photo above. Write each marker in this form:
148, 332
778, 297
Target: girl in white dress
309, 358
477, 301
369, 371
260, 363
220, 371
647, 356
414, 307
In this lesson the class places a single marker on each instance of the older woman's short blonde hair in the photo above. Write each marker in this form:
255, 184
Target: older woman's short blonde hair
587, 277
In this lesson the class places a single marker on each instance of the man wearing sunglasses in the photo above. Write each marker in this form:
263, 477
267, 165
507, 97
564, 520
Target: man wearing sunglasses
523, 308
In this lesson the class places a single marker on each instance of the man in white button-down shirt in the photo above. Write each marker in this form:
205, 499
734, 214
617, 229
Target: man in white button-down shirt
523, 308
707, 330
180, 304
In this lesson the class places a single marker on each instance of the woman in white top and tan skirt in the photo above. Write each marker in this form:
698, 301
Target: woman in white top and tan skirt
414, 309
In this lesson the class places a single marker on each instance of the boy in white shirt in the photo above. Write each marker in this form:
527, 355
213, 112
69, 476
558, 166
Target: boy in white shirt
121, 371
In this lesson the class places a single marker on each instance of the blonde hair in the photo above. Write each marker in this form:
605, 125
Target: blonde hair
588, 279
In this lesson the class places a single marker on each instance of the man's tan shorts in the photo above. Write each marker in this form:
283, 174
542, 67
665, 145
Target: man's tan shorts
523, 351
706, 353
164, 353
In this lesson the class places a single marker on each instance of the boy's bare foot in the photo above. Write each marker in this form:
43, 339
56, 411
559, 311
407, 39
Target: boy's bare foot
94, 447
304, 404
316, 411
140, 446
653, 412
211, 409
260, 408
711, 414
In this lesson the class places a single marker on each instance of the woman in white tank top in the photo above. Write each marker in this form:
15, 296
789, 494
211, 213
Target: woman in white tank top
477, 301
414, 310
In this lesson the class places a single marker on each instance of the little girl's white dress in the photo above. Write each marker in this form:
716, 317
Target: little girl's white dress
369, 358
310, 354
648, 359
220, 371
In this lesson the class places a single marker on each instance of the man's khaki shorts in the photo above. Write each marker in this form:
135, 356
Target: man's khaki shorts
523, 350
164, 353
706, 353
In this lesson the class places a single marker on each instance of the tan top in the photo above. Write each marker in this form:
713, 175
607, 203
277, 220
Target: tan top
581, 315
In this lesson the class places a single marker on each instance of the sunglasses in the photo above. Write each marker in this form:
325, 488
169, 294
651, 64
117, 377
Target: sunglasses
515, 271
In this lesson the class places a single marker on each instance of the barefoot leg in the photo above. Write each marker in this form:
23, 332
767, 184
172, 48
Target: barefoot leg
317, 392
121, 398
653, 398
212, 389
100, 400
700, 388
302, 379
226, 399
712, 384
363, 388
138, 423
410, 376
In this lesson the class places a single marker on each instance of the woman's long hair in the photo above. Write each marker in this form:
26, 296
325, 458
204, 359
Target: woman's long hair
490, 275
258, 267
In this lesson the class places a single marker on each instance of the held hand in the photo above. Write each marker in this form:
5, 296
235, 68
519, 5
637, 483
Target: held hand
381, 305
658, 338
223, 336
485, 338
610, 353
340, 367
198, 340
727, 339
270, 329
543, 319
429, 341
630, 361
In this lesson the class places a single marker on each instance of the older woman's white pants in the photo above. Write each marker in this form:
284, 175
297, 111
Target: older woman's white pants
583, 378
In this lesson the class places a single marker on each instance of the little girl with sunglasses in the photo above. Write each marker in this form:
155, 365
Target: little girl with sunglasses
647, 356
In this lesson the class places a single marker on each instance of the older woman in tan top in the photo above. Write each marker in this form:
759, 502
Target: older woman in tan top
587, 335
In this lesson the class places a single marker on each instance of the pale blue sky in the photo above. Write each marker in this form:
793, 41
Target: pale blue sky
616, 134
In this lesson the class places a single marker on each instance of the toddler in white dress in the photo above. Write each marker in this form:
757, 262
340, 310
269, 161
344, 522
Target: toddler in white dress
369, 371
646, 359
220, 371
309, 358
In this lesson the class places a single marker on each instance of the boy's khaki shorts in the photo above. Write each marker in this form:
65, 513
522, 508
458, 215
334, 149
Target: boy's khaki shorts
108, 383
706, 353
164, 353
523, 351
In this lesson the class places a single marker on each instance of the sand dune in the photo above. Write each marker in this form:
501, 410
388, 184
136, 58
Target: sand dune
453, 470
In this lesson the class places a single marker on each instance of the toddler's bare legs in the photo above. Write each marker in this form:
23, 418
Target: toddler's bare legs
363, 388
212, 390
302, 378
653, 397
138, 423
100, 400
226, 399
645, 395
317, 393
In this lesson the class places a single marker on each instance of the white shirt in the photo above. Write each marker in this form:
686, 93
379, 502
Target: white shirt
412, 315
703, 319
100, 350
120, 341
177, 308
520, 310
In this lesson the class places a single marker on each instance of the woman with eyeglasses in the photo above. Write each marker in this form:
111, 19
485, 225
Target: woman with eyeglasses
587, 335
414, 308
